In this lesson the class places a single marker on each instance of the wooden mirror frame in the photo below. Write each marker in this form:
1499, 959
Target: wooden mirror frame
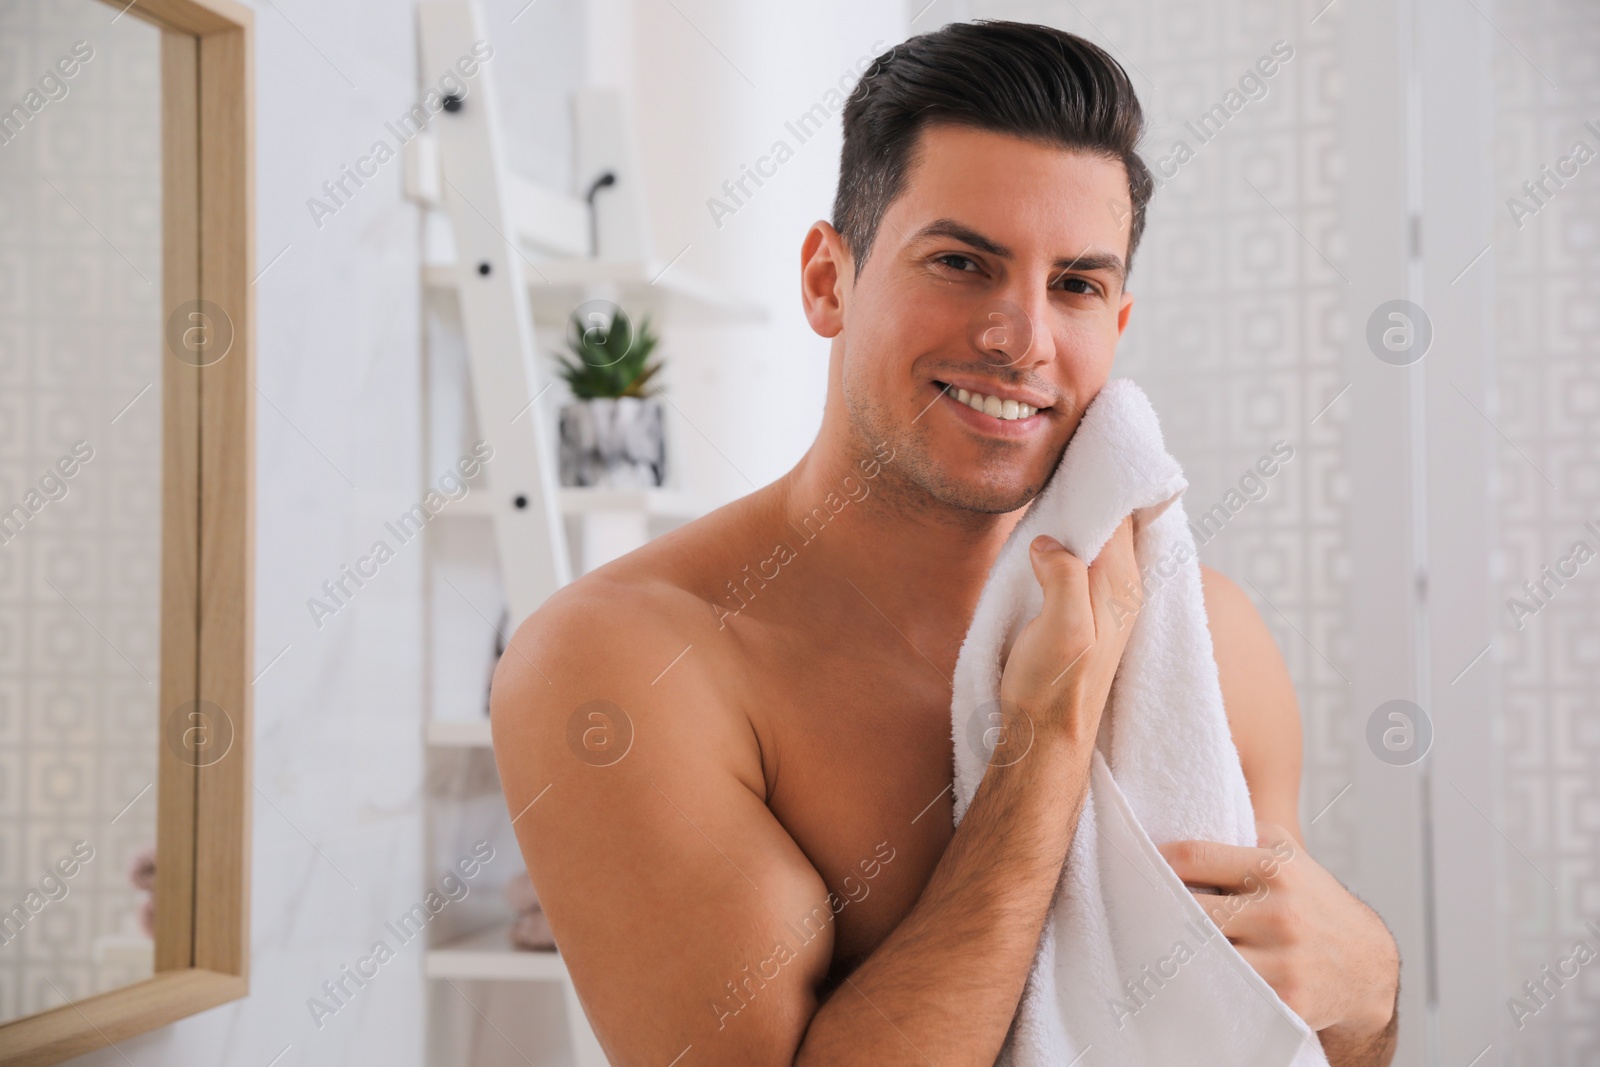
202, 901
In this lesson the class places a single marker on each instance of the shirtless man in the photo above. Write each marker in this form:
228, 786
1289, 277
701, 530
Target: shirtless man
736, 741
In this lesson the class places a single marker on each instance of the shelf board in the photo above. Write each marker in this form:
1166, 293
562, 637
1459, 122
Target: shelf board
557, 286
665, 503
465, 733
488, 955
657, 503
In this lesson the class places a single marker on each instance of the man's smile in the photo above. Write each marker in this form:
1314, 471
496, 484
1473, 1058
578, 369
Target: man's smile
993, 409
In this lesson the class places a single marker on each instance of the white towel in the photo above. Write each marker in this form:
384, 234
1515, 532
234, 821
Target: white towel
1129, 965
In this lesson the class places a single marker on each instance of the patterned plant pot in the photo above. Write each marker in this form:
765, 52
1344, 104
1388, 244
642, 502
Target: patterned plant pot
614, 443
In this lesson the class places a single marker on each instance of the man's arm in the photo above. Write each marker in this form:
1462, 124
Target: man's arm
1326, 953
681, 905
640, 811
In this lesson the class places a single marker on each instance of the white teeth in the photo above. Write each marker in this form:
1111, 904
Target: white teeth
1006, 410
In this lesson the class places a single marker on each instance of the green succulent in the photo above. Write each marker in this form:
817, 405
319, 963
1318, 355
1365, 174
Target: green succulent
611, 360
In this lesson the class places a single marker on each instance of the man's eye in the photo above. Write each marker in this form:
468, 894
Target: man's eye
958, 261
1089, 288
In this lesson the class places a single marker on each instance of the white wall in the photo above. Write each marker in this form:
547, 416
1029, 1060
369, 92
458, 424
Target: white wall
712, 91
338, 838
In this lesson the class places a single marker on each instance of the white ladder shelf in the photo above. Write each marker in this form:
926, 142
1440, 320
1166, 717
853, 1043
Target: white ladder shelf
522, 255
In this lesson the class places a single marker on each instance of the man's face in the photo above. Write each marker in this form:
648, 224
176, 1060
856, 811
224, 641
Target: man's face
999, 271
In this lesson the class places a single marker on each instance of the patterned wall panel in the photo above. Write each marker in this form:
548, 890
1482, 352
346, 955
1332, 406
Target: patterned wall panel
1237, 326
80, 328
1547, 271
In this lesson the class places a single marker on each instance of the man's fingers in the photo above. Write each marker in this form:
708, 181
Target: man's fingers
1113, 580
1210, 863
1062, 576
1237, 914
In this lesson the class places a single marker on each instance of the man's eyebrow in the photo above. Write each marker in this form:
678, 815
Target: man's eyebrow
1090, 260
965, 234
1087, 260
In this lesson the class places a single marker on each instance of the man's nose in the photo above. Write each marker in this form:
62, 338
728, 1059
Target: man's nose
1011, 329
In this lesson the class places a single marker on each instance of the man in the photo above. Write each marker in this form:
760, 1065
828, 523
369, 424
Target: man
761, 868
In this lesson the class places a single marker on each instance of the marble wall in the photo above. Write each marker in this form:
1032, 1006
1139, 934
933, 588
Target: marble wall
339, 839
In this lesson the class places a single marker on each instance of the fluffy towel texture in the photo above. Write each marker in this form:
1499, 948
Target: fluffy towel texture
1129, 964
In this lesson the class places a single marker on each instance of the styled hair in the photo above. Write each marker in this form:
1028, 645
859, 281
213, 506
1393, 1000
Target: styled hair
1017, 78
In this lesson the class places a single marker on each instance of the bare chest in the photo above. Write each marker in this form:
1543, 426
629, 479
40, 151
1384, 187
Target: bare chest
859, 756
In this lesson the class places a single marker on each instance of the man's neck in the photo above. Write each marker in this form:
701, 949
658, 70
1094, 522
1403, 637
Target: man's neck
918, 561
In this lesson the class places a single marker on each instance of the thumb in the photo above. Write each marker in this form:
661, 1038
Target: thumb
1063, 577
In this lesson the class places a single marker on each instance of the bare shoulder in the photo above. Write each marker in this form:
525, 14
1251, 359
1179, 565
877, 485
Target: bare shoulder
637, 622
1259, 697
629, 642
616, 621
634, 781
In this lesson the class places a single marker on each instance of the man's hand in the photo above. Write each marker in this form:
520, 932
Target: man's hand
1323, 951
1061, 668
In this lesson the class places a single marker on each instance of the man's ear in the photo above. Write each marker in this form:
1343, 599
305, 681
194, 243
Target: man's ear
826, 271
1125, 312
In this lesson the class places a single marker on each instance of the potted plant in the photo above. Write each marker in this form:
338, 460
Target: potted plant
613, 428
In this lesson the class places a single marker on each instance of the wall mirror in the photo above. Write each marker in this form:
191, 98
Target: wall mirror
126, 422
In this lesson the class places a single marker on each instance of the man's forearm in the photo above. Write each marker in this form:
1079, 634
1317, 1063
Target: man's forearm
945, 984
1363, 1050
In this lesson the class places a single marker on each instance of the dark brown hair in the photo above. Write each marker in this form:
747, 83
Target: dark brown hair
1017, 78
